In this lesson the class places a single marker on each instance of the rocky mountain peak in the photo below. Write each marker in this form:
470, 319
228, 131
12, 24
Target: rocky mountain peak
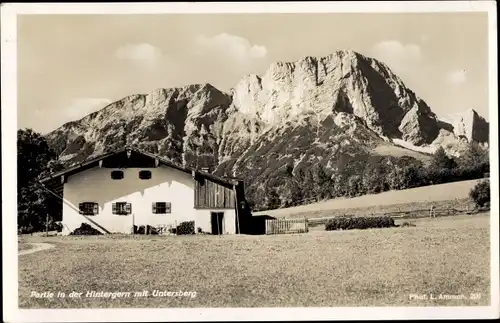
344, 81
468, 125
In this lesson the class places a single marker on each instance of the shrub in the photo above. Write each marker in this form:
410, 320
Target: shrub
199, 230
85, 230
25, 229
55, 226
349, 223
480, 194
186, 227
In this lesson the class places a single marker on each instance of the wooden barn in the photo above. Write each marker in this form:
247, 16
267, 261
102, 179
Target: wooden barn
126, 189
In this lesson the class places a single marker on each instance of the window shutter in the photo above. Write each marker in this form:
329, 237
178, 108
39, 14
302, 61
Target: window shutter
96, 208
154, 208
168, 208
114, 208
128, 208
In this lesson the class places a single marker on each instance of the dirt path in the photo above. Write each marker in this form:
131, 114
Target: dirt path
39, 246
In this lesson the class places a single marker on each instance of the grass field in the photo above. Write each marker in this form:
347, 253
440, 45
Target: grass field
450, 195
400, 151
379, 267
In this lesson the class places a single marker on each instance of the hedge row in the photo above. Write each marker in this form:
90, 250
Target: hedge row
349, 223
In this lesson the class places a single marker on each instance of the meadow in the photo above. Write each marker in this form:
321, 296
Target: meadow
443, 196
375, 267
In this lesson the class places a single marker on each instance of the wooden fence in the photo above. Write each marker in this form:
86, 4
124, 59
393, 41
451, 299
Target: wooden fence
280, 226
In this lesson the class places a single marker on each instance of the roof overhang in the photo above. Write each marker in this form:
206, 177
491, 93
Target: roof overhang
95, 162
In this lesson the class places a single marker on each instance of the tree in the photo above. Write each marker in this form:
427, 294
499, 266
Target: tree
354, 186
412, 177
271, 197
395, 177
291, 191
475, 156
321, 182
339, 187
440, 160
33, 208
33, 156
34, 159
371, 178
306, 182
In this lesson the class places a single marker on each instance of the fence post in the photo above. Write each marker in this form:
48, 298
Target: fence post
47, 225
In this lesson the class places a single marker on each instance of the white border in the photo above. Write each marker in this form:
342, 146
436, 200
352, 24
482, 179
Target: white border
9, 166
253, 7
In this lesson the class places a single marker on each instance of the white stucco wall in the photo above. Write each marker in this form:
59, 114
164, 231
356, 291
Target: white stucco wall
166, 185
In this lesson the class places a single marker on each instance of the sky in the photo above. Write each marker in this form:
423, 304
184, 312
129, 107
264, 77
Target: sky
72, 65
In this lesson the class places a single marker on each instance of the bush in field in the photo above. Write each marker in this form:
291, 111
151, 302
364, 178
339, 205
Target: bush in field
349, 223
85, 230
186, 227
481, 193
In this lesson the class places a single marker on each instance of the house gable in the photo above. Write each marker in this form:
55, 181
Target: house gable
210, 191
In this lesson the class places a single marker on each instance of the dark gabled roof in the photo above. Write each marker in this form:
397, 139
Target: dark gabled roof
95, 161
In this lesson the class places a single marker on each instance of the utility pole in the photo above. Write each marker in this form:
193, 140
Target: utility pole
47, 225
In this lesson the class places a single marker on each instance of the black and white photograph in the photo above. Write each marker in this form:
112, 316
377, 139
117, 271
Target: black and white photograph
196, 161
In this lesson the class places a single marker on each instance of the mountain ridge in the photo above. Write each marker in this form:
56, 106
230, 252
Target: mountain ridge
333, 110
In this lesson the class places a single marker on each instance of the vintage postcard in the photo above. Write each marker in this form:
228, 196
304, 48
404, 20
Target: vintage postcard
249, 161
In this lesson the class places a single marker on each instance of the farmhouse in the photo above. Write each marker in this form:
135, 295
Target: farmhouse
129, 188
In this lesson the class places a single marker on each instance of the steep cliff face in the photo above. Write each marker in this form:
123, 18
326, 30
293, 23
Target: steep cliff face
468, 124
341, 82
334, 110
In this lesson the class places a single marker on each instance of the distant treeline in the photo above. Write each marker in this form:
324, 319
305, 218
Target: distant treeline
375, 174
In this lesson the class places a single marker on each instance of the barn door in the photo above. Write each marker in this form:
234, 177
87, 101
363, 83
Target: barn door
217, 220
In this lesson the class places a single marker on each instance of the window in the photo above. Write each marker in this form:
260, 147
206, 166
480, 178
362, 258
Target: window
162, 207
122, 208
144, 174
117, 174
89, 208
